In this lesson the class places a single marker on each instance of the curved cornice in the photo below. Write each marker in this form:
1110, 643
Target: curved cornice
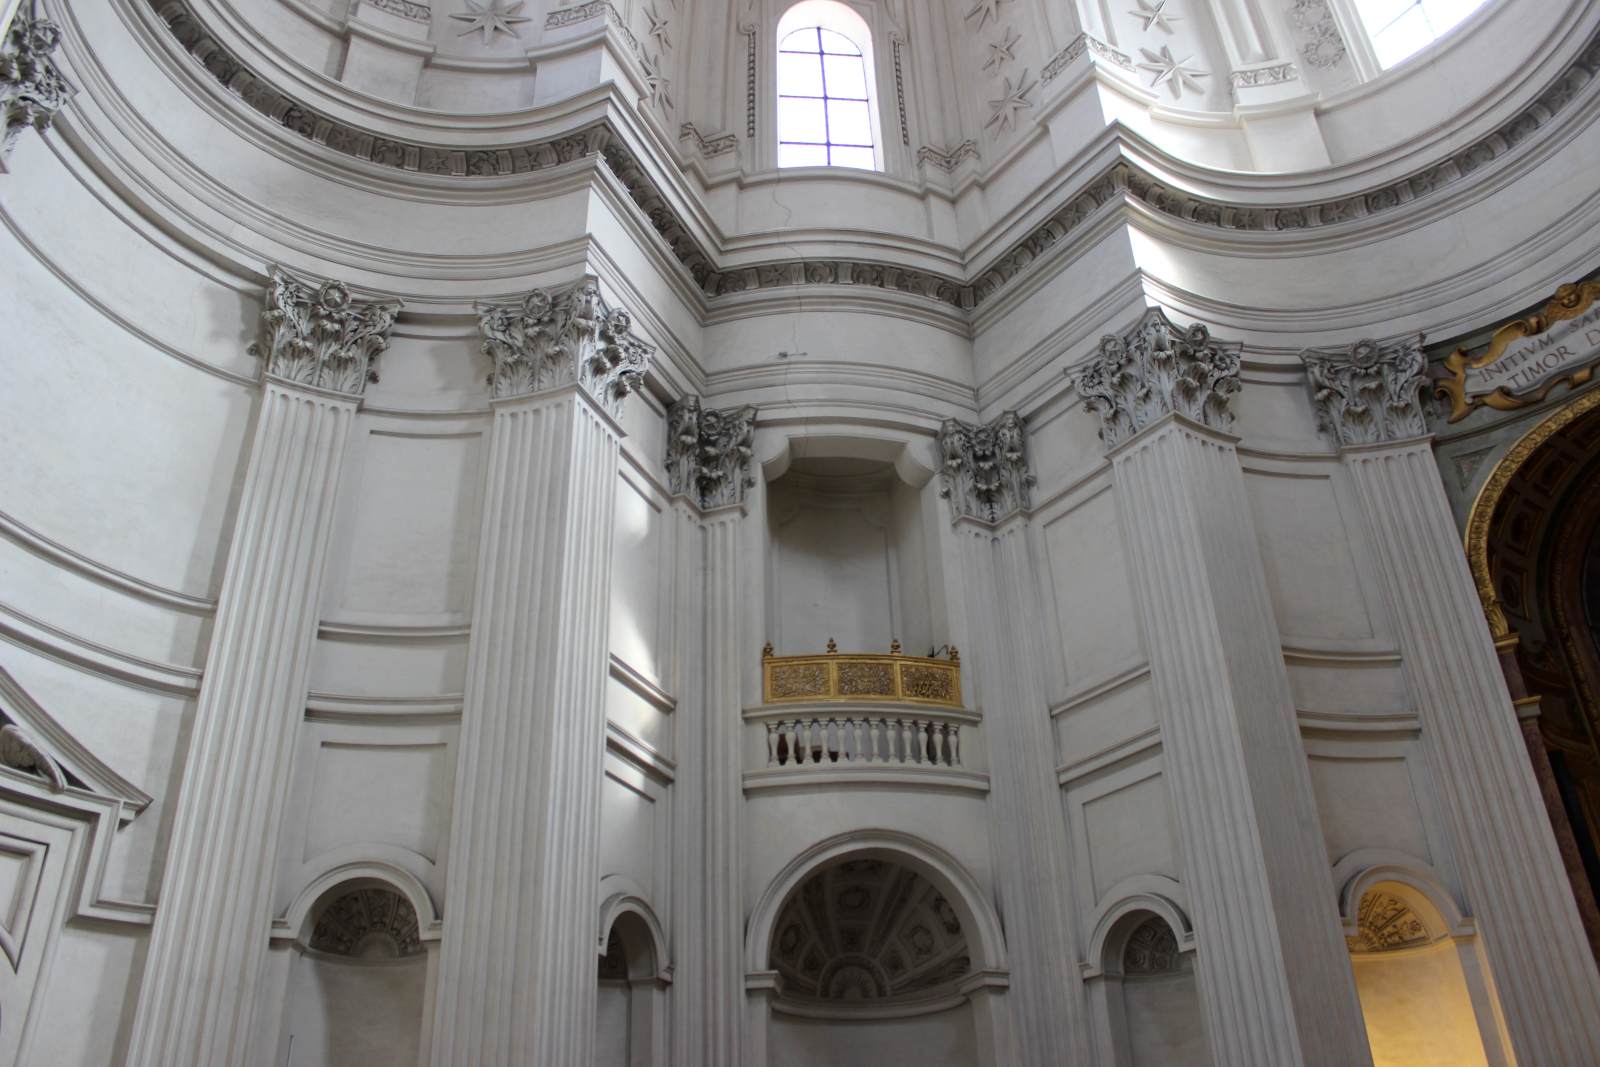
1126, 179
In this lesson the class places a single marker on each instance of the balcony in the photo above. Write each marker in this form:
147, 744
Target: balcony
854, 719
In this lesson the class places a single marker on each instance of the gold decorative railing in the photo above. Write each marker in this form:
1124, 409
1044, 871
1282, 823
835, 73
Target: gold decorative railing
852, 676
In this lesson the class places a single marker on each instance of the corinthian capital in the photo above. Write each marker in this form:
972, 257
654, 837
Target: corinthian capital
564, 337
1369, 393
708, 452
1157, 369
985, 472
316, 333
31, 89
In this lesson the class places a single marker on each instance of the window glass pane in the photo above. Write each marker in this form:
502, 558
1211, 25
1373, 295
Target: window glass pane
852, 157
1444, 15
847, 77
803, 155
1377, 14
800, 119
800, 41
1405, 35
848, 123
838, 44
799, 75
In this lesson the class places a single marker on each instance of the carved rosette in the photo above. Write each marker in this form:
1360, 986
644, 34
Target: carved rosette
32, 90
563, 337
985, 471
708, 452
1158, 369
317, 334
1369, 393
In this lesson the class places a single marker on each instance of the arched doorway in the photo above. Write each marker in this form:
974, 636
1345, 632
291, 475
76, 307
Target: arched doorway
357, 985
872, 949
1149, 995
1533, 540
630, 1013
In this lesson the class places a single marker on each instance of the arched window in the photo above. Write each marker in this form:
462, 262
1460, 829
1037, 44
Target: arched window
827, 102
1401, 28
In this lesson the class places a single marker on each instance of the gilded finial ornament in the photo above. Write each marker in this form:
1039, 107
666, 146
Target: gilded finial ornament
894, 647
491, 16
833, 646
955, 656
766, 650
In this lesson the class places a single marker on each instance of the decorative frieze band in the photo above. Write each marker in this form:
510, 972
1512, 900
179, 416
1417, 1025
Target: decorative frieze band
1270, 75
1158, 369
1122, 180
708, 146
32, 90
1369, 393
317, 334
708, 452
564, 337
985, 473
409, 10
948, 161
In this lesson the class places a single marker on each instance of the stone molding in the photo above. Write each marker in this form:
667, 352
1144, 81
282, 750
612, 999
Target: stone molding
985, 469
1275, 74
409, 10
948, 161
708, 452
1157, 369
715, 145
563, 337
1369, 393
317, 334
20, 752
32, 90
1123, 180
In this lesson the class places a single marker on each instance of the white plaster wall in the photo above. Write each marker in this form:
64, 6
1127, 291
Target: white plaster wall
942, 1040
354, 1013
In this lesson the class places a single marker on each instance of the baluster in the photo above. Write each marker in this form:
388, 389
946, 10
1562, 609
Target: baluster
905, 740
855, 729
832, 741
936, 739
791, 728
954, 738
924, 727
807, 753
872, 740
772, 744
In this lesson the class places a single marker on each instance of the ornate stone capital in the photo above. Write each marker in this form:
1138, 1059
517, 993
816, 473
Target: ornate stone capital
1157, 369
985, 468
564, 337
32, 90
316, 333
708, 452
1369, 393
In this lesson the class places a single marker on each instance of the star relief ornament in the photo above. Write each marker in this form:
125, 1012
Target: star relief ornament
1155, 15
659, 30
1015, 99
491, 16
1176, 74
986, 11
1002, 51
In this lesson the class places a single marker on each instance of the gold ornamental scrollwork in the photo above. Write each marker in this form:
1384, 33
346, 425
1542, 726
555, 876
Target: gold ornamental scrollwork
1487, 502
1528, 374
853, 677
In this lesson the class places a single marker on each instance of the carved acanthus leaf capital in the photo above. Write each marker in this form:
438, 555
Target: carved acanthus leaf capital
985, 467
32, 90
315, 333
708, 452
1158, 369
565, 337
1369, 393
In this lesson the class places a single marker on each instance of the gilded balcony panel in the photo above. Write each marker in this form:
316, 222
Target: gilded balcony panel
850, 677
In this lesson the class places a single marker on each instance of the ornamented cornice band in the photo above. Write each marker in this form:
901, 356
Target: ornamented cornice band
708, 452
1369, 393
708, 146
317, 334
1158, 369
985, 472
406, 9
565, 337
31, 89
1123, 181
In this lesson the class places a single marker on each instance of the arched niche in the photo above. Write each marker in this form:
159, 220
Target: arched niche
870, 944
631, 1006
1427, 997
1143, 989
357, 984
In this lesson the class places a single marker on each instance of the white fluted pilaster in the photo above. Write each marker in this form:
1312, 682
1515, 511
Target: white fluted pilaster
1274, 971
1003, 659
519, 956
210, 938
1515, 884
688, 816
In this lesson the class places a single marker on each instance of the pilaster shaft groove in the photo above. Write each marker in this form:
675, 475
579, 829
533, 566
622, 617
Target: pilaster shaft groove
723, 894
1273, 967
1512, 874
517, 969
209, 940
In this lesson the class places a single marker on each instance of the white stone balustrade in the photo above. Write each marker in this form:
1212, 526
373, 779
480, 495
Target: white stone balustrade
816, 741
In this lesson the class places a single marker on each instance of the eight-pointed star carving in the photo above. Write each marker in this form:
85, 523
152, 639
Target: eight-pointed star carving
1002, 51
1155, 14
492, 15
1014, 100
657, 31
986, 10
1175, 74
